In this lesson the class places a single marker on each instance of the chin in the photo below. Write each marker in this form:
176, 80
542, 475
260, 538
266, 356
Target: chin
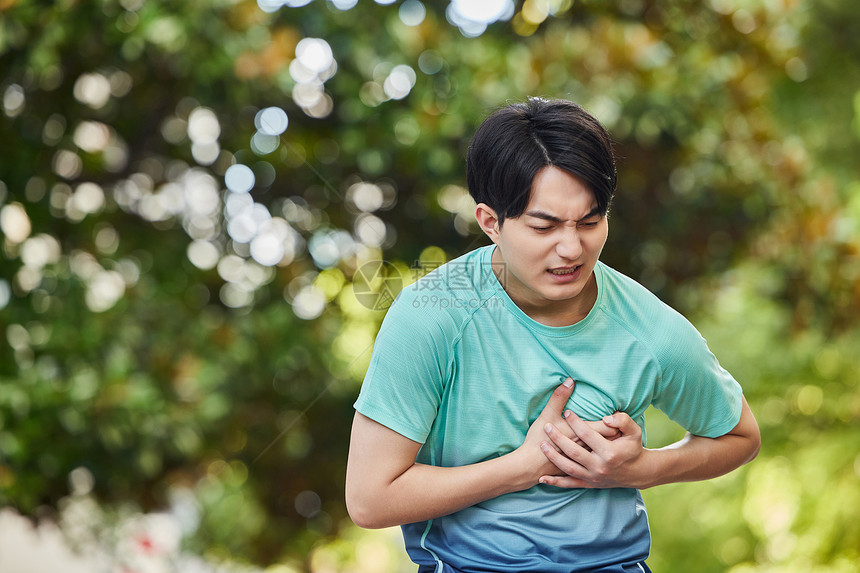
560, 294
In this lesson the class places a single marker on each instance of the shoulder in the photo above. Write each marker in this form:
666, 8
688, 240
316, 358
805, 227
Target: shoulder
444, 300
654, 323
631, 302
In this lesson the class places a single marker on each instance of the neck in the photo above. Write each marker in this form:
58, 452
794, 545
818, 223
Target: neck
567, 312
550, 313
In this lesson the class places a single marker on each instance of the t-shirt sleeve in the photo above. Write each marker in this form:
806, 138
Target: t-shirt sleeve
404, 383
694, 390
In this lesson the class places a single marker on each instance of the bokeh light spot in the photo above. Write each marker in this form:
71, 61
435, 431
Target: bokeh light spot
264, 173
40, 251
796, 69
315, 54
120, 83
399, 82
106, 239
5, 293
235, 296
242, 228
203, 126
473, 17
809, 399
15, 223
67, 164
13, 100
174, 130
365, 196
239, 178
270, 6
430, 62
309, 303
267, 249
370, 230
203, 254
308, 504
104, 289
54, 129
263, 144
205, 153
412, 12
271, 121
92, 90
92, 136
88, 198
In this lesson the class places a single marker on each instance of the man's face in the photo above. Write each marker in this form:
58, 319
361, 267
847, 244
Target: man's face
551, 249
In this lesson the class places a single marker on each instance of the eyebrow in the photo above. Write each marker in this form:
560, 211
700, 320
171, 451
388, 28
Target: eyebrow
552, 218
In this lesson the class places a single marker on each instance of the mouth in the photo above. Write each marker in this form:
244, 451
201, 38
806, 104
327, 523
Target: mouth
563, 271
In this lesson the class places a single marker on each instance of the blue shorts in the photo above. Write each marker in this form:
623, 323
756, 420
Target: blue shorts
640, 567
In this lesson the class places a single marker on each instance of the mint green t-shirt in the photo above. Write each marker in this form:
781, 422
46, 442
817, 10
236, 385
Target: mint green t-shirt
459, 368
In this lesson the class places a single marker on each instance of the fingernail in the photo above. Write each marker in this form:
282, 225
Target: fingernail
547, 428
544, 446
567, 413
542, 480
568, 383
608, 419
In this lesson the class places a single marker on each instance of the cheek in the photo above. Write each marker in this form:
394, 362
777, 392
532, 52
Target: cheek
528, 257
596, 243
534, 250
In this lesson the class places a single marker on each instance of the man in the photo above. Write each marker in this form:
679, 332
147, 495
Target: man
454, 438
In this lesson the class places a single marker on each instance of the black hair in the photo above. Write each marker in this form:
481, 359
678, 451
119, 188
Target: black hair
516, 141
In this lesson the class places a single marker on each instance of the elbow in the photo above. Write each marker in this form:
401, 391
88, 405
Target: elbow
751, 445
362, 518
363, 512
755, 446
748, 429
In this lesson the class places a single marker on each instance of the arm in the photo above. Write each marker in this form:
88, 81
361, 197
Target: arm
385, 486
625, 463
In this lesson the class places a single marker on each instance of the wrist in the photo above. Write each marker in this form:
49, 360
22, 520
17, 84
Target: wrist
649, 470
523, 469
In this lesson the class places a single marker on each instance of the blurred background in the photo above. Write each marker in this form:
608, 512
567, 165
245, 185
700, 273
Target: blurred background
193, 195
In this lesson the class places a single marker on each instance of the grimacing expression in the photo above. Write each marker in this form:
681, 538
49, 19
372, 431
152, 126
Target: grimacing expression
550, 251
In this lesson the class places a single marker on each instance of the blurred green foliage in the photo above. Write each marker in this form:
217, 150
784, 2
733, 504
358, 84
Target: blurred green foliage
150, 340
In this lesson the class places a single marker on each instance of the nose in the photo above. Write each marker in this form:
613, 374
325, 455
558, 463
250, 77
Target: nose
569, 245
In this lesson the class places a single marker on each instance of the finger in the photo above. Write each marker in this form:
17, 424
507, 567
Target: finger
593, 439
564, 481
559, 398
570, 468
623, 423
566, 450
600, 427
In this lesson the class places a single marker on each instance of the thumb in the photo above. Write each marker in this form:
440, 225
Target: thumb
623, 423
559, 398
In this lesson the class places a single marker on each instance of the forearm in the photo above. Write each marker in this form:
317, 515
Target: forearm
425, 492
697, 458
385, 486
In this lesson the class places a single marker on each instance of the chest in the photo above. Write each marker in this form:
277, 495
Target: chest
501, 378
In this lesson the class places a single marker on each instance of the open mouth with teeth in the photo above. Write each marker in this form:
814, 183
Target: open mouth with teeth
565, 271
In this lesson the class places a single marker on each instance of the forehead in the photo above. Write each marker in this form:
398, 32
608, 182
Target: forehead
559, 193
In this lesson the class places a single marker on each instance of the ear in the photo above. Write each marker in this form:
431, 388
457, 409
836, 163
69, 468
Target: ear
488, 221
